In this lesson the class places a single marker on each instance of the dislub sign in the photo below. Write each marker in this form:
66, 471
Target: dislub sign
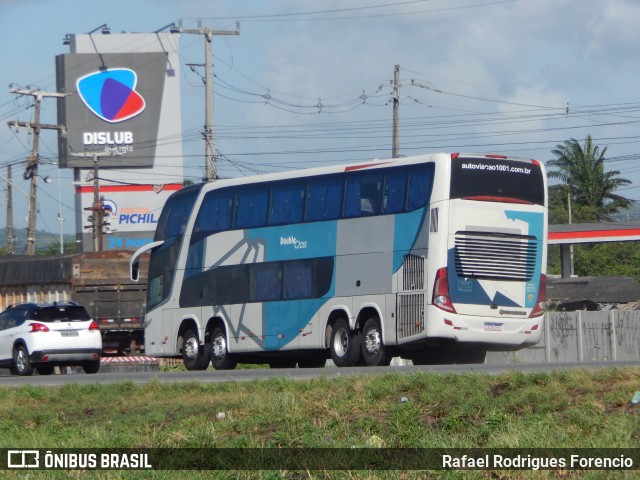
113, 107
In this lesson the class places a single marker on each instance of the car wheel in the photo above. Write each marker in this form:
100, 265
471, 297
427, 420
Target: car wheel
91, 366
193, 356
21, 361
45, 369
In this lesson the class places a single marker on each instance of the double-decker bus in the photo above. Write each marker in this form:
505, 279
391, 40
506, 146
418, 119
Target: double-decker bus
434, 258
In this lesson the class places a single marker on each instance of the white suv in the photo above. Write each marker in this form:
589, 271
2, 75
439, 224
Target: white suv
45, 335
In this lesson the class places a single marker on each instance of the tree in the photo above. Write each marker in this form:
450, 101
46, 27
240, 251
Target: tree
584, 182
54, 248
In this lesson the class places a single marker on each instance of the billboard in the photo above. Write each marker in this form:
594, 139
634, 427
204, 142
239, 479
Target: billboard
112, 108
131, 212
122, 115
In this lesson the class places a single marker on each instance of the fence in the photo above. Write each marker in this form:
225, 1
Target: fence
582, 337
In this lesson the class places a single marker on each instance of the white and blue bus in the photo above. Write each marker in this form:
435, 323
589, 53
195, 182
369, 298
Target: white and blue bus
434, 258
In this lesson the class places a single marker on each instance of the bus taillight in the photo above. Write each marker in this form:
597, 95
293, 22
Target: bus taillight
538, 309
441, 291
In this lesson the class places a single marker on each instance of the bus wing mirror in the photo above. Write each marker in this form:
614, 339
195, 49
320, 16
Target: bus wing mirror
134, 264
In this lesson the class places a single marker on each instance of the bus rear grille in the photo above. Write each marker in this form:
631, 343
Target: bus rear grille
410, 314
413, 272
496, 256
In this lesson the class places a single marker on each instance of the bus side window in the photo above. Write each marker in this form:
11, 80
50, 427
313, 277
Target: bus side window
324, 199
251, 207
363, 195
420, 181
215, 212
298, 279
287, 203
266, 282
395, 188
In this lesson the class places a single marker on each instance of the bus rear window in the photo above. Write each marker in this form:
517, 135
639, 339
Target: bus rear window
498, 180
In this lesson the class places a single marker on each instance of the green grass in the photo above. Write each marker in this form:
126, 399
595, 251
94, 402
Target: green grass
577, 409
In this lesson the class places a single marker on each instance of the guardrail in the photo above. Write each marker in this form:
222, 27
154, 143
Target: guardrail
582, 337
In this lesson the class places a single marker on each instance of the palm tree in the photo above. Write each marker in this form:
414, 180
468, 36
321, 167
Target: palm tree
583, 178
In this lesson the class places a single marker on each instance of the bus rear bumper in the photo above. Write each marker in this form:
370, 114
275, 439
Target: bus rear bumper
518, 332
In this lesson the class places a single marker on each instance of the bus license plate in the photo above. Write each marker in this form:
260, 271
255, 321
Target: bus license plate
70, 334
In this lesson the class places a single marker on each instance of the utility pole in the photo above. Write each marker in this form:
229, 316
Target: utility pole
209, 134
31, 172
11, 241
97, 208
395, 140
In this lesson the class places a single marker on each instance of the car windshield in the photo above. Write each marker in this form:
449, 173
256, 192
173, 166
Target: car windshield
61, 314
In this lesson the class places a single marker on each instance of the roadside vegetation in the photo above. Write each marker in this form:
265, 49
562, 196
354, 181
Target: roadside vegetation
582, 190
576, 409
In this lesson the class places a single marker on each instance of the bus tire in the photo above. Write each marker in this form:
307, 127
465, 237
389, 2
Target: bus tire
221, 359
344, 345
194, 357
374, 352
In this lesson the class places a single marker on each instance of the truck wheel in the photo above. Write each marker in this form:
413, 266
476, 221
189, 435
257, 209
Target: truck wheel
345, 344
374, 353
193, 356
221, 359
21, 361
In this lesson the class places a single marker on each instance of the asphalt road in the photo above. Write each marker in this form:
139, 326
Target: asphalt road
211, 375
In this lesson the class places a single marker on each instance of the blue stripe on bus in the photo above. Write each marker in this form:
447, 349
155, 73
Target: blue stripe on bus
536, 229
290, 242
406, 229
302, 240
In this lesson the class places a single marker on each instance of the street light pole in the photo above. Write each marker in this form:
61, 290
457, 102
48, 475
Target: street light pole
60, 219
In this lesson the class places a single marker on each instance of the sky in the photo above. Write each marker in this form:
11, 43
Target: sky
308, 83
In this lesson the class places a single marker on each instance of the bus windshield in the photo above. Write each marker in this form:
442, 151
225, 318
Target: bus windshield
499, 180
175, 214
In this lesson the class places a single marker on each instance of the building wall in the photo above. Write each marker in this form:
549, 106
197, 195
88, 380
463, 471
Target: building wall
582, 337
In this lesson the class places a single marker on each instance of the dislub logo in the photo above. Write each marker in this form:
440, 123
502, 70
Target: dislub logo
111, 94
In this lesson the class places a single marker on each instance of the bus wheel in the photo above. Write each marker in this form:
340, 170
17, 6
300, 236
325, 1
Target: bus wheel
193, 357
221, 359
374, 353
345, 344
